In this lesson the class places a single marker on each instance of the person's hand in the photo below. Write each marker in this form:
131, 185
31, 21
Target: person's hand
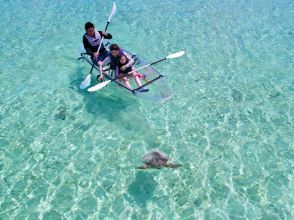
104, 33
123, 68
96, 54
101, 77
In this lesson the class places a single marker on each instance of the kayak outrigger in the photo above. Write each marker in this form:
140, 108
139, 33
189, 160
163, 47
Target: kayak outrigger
159, 91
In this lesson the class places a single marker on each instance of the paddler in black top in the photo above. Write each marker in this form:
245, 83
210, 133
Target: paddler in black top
91, 41
122, 64
113, 58
124, 73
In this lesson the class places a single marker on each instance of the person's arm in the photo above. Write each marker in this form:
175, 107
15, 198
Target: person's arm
105, 34
131, 60
87, 46
106, 61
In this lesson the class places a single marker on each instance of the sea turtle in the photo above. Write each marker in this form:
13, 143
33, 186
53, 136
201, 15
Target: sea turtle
156, 159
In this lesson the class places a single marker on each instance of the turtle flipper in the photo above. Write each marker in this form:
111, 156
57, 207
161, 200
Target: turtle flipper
172, 165
143, 167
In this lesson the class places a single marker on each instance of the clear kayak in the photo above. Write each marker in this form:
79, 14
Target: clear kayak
158, 85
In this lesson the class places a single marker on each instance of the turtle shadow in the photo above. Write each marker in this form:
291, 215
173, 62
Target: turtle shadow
142, 189
61, 113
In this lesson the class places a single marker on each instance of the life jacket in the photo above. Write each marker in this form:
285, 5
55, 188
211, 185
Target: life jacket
95, 41
114, 61
119, 65
117, 69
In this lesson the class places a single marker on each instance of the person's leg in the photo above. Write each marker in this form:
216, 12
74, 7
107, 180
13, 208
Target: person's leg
126, 81
99, 61
136, 78
96, 61
101, 76
101, 57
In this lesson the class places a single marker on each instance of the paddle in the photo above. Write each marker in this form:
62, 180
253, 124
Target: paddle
87, 80
103, 84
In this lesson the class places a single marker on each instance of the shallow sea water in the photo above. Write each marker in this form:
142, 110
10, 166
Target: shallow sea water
69, 154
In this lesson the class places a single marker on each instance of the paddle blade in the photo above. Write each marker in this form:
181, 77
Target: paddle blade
175, 55
113, 10
99, 86
86, 82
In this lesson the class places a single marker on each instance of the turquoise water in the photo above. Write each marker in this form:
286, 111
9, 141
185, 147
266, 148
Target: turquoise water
69, 154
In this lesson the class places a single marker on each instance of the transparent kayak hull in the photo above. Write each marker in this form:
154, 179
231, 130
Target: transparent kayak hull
158, 85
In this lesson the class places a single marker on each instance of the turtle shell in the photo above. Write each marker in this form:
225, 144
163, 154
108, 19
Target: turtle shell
155, 158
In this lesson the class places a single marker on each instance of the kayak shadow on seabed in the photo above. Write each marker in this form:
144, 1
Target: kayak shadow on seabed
98, 103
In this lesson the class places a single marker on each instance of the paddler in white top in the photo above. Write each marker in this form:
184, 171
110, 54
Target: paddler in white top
91, 41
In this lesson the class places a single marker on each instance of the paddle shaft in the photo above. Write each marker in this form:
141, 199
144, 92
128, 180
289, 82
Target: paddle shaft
87, 81
99, 47
103, 36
